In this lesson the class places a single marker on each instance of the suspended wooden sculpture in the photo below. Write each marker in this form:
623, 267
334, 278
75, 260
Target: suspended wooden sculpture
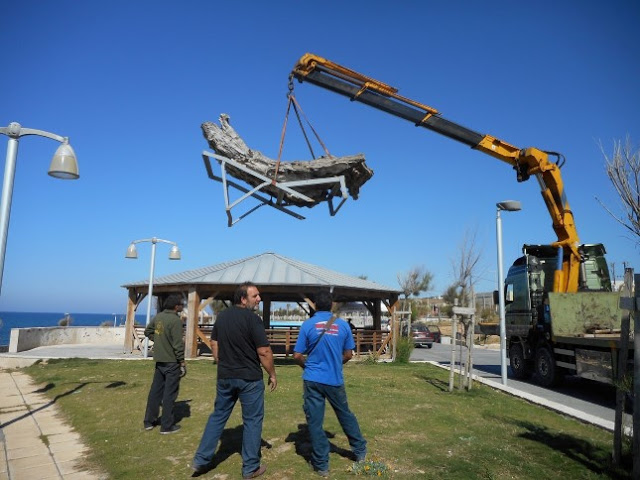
297, 183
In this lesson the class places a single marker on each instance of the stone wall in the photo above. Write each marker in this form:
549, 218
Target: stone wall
28, 338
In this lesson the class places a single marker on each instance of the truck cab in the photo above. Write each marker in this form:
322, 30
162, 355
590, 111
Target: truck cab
528, 320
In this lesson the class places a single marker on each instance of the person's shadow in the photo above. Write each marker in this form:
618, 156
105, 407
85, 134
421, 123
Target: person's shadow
302, 443
230, 443
181, 409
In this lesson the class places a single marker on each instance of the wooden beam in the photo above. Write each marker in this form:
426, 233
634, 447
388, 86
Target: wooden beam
206, 340
130, 322
191, 338
266, 312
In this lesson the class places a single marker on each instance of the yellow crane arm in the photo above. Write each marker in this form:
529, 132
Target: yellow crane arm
526, 162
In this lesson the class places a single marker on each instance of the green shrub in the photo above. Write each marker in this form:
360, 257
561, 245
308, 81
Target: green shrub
404, 347
370, 359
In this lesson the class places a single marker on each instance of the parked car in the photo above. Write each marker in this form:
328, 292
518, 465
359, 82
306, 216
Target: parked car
437, 335
425, 335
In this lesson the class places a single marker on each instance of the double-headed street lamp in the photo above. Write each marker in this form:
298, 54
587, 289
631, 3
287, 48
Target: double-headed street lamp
507, 206
174, 254
63, 165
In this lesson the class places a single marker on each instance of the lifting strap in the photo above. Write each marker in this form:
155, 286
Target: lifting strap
298, 110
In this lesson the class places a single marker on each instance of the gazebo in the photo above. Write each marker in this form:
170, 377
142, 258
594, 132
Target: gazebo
279, 279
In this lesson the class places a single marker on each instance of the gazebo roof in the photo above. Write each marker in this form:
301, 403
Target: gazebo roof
272, 273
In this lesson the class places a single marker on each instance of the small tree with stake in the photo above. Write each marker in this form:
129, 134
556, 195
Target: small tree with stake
623, 170
418, 279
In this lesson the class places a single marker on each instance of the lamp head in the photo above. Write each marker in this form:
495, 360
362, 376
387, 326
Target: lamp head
131, 252
64, 164
509, 205
174, 254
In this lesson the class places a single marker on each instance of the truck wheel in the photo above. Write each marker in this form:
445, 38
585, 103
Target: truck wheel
547, 372
520, 367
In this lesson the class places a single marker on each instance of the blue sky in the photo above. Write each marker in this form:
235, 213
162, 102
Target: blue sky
131, 82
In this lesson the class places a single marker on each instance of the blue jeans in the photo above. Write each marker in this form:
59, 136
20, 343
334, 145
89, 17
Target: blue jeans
251, 395
314, 396
164, 391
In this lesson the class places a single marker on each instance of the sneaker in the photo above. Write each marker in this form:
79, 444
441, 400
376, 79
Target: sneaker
151, 426
317, 471
173, 429
261, 469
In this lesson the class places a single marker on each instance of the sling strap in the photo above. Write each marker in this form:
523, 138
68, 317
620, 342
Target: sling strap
327, 326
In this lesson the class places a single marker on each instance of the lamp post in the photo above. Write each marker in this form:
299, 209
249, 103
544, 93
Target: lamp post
63, 165
507, 206
174, 254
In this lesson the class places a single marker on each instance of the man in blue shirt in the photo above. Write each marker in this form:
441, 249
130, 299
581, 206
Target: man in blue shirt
327, 343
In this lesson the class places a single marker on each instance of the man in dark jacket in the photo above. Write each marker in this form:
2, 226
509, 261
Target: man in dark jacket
168, 352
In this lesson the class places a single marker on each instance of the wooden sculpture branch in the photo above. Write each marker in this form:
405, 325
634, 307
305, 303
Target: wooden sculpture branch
225, 141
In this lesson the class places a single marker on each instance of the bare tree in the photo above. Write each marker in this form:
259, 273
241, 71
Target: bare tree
465, 273
623, 169
418, 279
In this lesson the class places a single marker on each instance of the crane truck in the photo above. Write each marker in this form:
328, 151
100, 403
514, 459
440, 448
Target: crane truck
561, 314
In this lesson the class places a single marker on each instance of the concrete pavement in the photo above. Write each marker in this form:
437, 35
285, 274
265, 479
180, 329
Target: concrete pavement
35, 441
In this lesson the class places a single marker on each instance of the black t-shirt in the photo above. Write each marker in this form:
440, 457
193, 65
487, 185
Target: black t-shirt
239, 332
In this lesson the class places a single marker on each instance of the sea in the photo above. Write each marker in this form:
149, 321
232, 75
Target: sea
9, 320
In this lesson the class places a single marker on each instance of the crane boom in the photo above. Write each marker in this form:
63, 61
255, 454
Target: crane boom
526, 162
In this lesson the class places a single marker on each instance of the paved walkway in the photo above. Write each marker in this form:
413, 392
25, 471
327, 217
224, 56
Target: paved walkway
35, 442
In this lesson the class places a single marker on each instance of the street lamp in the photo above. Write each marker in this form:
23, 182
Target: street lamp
63, 165
174, 254
507, 206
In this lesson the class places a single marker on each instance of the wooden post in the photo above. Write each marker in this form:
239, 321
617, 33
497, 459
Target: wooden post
636, 379
472, 328
452, 364
130, 322
377, 313
462, 341
467, 366
394, 332
618, 430
266, 312
191, 337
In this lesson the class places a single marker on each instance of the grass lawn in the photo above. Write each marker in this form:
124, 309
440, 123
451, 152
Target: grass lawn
412, 423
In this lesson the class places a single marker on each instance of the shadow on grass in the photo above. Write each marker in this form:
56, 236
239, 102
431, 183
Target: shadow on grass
302, 443
439, 384
230, 443
595, 459
48, 387
181, 409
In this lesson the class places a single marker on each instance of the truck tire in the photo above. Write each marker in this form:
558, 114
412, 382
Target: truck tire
520, 367
547, 372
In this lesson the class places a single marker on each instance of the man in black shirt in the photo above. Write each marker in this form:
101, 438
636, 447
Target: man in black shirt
239, 346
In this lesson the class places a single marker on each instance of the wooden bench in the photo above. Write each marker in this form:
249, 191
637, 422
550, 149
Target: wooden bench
370, 340
282, 340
